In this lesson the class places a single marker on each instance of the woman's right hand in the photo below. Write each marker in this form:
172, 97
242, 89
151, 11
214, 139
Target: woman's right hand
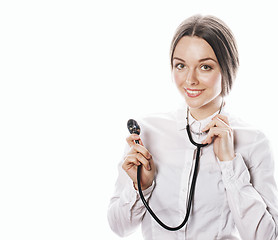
138, 155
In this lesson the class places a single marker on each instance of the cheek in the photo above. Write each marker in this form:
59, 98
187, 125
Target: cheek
213, 81
178, 78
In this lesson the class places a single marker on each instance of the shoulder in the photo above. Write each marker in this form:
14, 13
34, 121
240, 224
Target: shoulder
166, 119
251, 143
243, 129
163, 121
159, 118
248, 139
161, 128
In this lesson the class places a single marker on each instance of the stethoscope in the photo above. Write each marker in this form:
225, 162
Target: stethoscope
134, 128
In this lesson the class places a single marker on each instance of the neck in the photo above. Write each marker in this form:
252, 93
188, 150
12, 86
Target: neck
206, 110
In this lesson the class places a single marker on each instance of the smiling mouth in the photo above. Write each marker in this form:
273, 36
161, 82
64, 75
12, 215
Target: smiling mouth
193, 92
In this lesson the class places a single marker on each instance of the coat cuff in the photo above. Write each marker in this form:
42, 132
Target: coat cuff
234, 171
130, 196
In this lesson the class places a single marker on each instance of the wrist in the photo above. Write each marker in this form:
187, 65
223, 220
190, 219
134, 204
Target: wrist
227, 158
135, 185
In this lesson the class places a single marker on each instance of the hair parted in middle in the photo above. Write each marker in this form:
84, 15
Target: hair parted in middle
218, 35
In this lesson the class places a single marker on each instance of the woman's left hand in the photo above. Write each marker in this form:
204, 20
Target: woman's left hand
221, 132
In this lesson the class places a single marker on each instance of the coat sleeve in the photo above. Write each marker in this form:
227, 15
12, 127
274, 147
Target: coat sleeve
252, 192
126, 210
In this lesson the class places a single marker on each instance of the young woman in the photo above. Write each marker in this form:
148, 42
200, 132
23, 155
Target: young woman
235, 194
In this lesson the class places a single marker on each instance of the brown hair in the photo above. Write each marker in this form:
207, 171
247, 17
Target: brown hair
217, 34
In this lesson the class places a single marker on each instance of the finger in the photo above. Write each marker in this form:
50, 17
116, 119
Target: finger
215, 122
216, 132
136, 159
144, 161
132, 138
209, 137
141, 149
223, 118
129, 162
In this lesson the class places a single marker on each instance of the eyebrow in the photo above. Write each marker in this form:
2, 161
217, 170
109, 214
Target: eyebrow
200, 60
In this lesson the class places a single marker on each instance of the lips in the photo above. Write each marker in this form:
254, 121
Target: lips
193, 92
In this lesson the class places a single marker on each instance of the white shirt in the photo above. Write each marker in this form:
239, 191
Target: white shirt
237, 199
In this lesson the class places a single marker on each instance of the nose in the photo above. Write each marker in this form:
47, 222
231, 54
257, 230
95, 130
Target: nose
191, 78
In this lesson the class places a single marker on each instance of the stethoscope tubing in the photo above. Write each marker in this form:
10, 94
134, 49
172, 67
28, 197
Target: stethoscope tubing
193, 182
191, 193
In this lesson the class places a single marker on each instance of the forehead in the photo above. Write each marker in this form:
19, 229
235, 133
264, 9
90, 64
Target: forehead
193, 48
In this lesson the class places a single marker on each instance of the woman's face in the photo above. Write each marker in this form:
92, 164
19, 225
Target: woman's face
197, 74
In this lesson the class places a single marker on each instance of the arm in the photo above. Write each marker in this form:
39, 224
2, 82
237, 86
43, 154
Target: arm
252, 193
126, 209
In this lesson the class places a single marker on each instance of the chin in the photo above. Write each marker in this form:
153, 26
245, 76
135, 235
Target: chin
194, 104
203, 102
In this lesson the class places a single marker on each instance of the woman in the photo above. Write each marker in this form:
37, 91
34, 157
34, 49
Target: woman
235, 195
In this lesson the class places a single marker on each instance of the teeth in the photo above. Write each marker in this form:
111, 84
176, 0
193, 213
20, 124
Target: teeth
193, 92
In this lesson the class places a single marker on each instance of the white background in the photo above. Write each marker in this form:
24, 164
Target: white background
73, 72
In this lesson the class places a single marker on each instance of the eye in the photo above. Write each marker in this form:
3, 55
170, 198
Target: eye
206, 67
179, 66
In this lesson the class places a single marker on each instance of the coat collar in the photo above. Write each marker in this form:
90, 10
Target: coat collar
195, 125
